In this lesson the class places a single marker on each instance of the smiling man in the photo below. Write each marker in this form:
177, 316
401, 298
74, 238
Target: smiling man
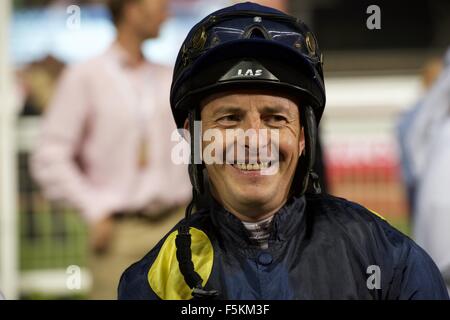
268, 232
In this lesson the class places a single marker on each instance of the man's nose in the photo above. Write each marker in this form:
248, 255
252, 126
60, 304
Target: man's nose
255, 130
252, 121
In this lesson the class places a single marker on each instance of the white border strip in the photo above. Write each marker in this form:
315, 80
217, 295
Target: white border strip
8, 164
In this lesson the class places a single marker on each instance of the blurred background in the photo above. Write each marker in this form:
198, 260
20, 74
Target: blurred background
372, 77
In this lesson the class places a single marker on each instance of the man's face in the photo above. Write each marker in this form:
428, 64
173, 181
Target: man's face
249, 194
146, 17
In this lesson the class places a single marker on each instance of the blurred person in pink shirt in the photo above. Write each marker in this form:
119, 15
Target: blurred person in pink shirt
105, 147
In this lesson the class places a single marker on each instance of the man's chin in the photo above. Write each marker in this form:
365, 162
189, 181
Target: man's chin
253, 200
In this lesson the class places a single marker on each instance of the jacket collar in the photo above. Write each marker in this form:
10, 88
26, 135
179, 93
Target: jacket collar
286, 223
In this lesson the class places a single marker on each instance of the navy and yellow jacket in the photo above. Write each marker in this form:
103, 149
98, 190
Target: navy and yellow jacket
320, 247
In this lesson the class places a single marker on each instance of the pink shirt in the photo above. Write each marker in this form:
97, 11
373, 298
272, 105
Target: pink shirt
88, 149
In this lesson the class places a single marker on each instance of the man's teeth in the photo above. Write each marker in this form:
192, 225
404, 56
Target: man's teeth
250, 166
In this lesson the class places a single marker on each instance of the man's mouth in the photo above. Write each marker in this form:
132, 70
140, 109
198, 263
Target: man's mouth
252, 166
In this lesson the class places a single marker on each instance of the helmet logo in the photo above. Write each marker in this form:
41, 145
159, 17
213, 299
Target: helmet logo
248, 69
249, 73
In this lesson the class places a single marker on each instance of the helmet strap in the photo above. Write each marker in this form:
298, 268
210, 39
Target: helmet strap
304, 172
183, 239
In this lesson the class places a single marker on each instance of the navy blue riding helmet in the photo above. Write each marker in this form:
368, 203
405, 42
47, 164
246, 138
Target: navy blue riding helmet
246, 46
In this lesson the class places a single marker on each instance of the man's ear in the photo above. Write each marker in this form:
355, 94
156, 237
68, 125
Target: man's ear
301, 143
186, 124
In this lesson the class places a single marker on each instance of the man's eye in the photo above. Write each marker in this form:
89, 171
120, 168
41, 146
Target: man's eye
276, 119
229, 118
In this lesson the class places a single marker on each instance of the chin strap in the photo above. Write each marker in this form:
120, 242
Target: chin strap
184, 257
305, 179
183, 239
